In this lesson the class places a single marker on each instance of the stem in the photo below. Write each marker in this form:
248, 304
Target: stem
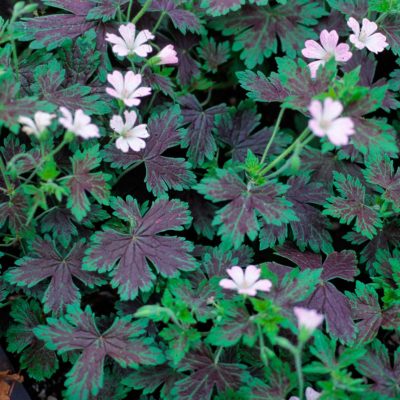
208, 98
286, 152
128, 15
263, 356
140, 14
274, 132
300, 377
158, 23
132, 167
5, 177
217, 355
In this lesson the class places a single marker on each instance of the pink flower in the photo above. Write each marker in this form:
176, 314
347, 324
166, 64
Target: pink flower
130, 136
128, 44
311, 394
127, 87
326, 122
375, 42
167, 56
247, 282
79, 124
36, 126
329, 49
308, 319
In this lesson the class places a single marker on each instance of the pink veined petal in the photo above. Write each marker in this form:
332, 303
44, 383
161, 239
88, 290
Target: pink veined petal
263, 284
117, 124
113, 93
114, 39
122, 144
120, 50
227, 284
316, 128
329, 40
140, 131
236, 273
30, 125
141, 92
130, 118
251, 274
312, 394
131, 102
136, 144
314, 67
313, 50
143, 50
293, 398
248, 291
357, 43
315, 109
81, 118
342, 52
354, 25
132, 81
117, 80
143, 37
332, 109
368, 27
376, 42
128, 34
340, 130
66, 121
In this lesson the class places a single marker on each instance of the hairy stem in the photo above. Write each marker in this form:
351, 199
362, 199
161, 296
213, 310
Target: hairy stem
300, 377
158, 23
282, 156
218, 355
142, 11
274, 132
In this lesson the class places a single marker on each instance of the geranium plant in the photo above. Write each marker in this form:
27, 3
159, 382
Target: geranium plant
200, 199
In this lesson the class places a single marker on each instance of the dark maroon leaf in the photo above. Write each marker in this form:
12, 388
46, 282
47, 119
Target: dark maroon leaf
367, 311
78, 331
380, 172
390, 27
207, 376
83, 181
182, 19
236, 127
326, 298
162, 173
105, 9
158, 82
214, 54
128, 255
46, 262
248, 204
198, 136
356, 8
376, 365
13, 211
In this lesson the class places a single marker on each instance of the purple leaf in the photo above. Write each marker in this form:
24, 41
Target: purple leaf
105, 9
356, 8
381, 173
221, 7
247, 205
236, 126
352, 205
376, 365
198, 137
207, 376
128, 255
182, 19
44, 263
214, 54
389, 26
83, 181
78, 331
13, 211
326, 298
162, 173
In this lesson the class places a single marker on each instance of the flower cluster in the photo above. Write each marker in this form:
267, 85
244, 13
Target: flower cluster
326, 120
126, 88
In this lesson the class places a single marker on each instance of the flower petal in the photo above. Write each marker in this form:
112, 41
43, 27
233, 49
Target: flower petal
340, 130
236, 273
368, 27
263, 284
354, 25
342, 52
251, 274
227, 284
329, 40
376, 42
313, 50
332, 109
117, 123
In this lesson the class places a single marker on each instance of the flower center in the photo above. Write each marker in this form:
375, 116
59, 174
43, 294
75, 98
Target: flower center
324, 124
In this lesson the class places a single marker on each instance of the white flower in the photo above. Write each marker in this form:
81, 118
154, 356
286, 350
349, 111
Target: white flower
36, 126
311, 394
79, 124
127, 87
167, 56
308, 319
365, 37
326, 121
128, 44
245, 282
130, 136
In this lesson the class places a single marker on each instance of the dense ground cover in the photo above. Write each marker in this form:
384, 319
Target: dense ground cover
200, 199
